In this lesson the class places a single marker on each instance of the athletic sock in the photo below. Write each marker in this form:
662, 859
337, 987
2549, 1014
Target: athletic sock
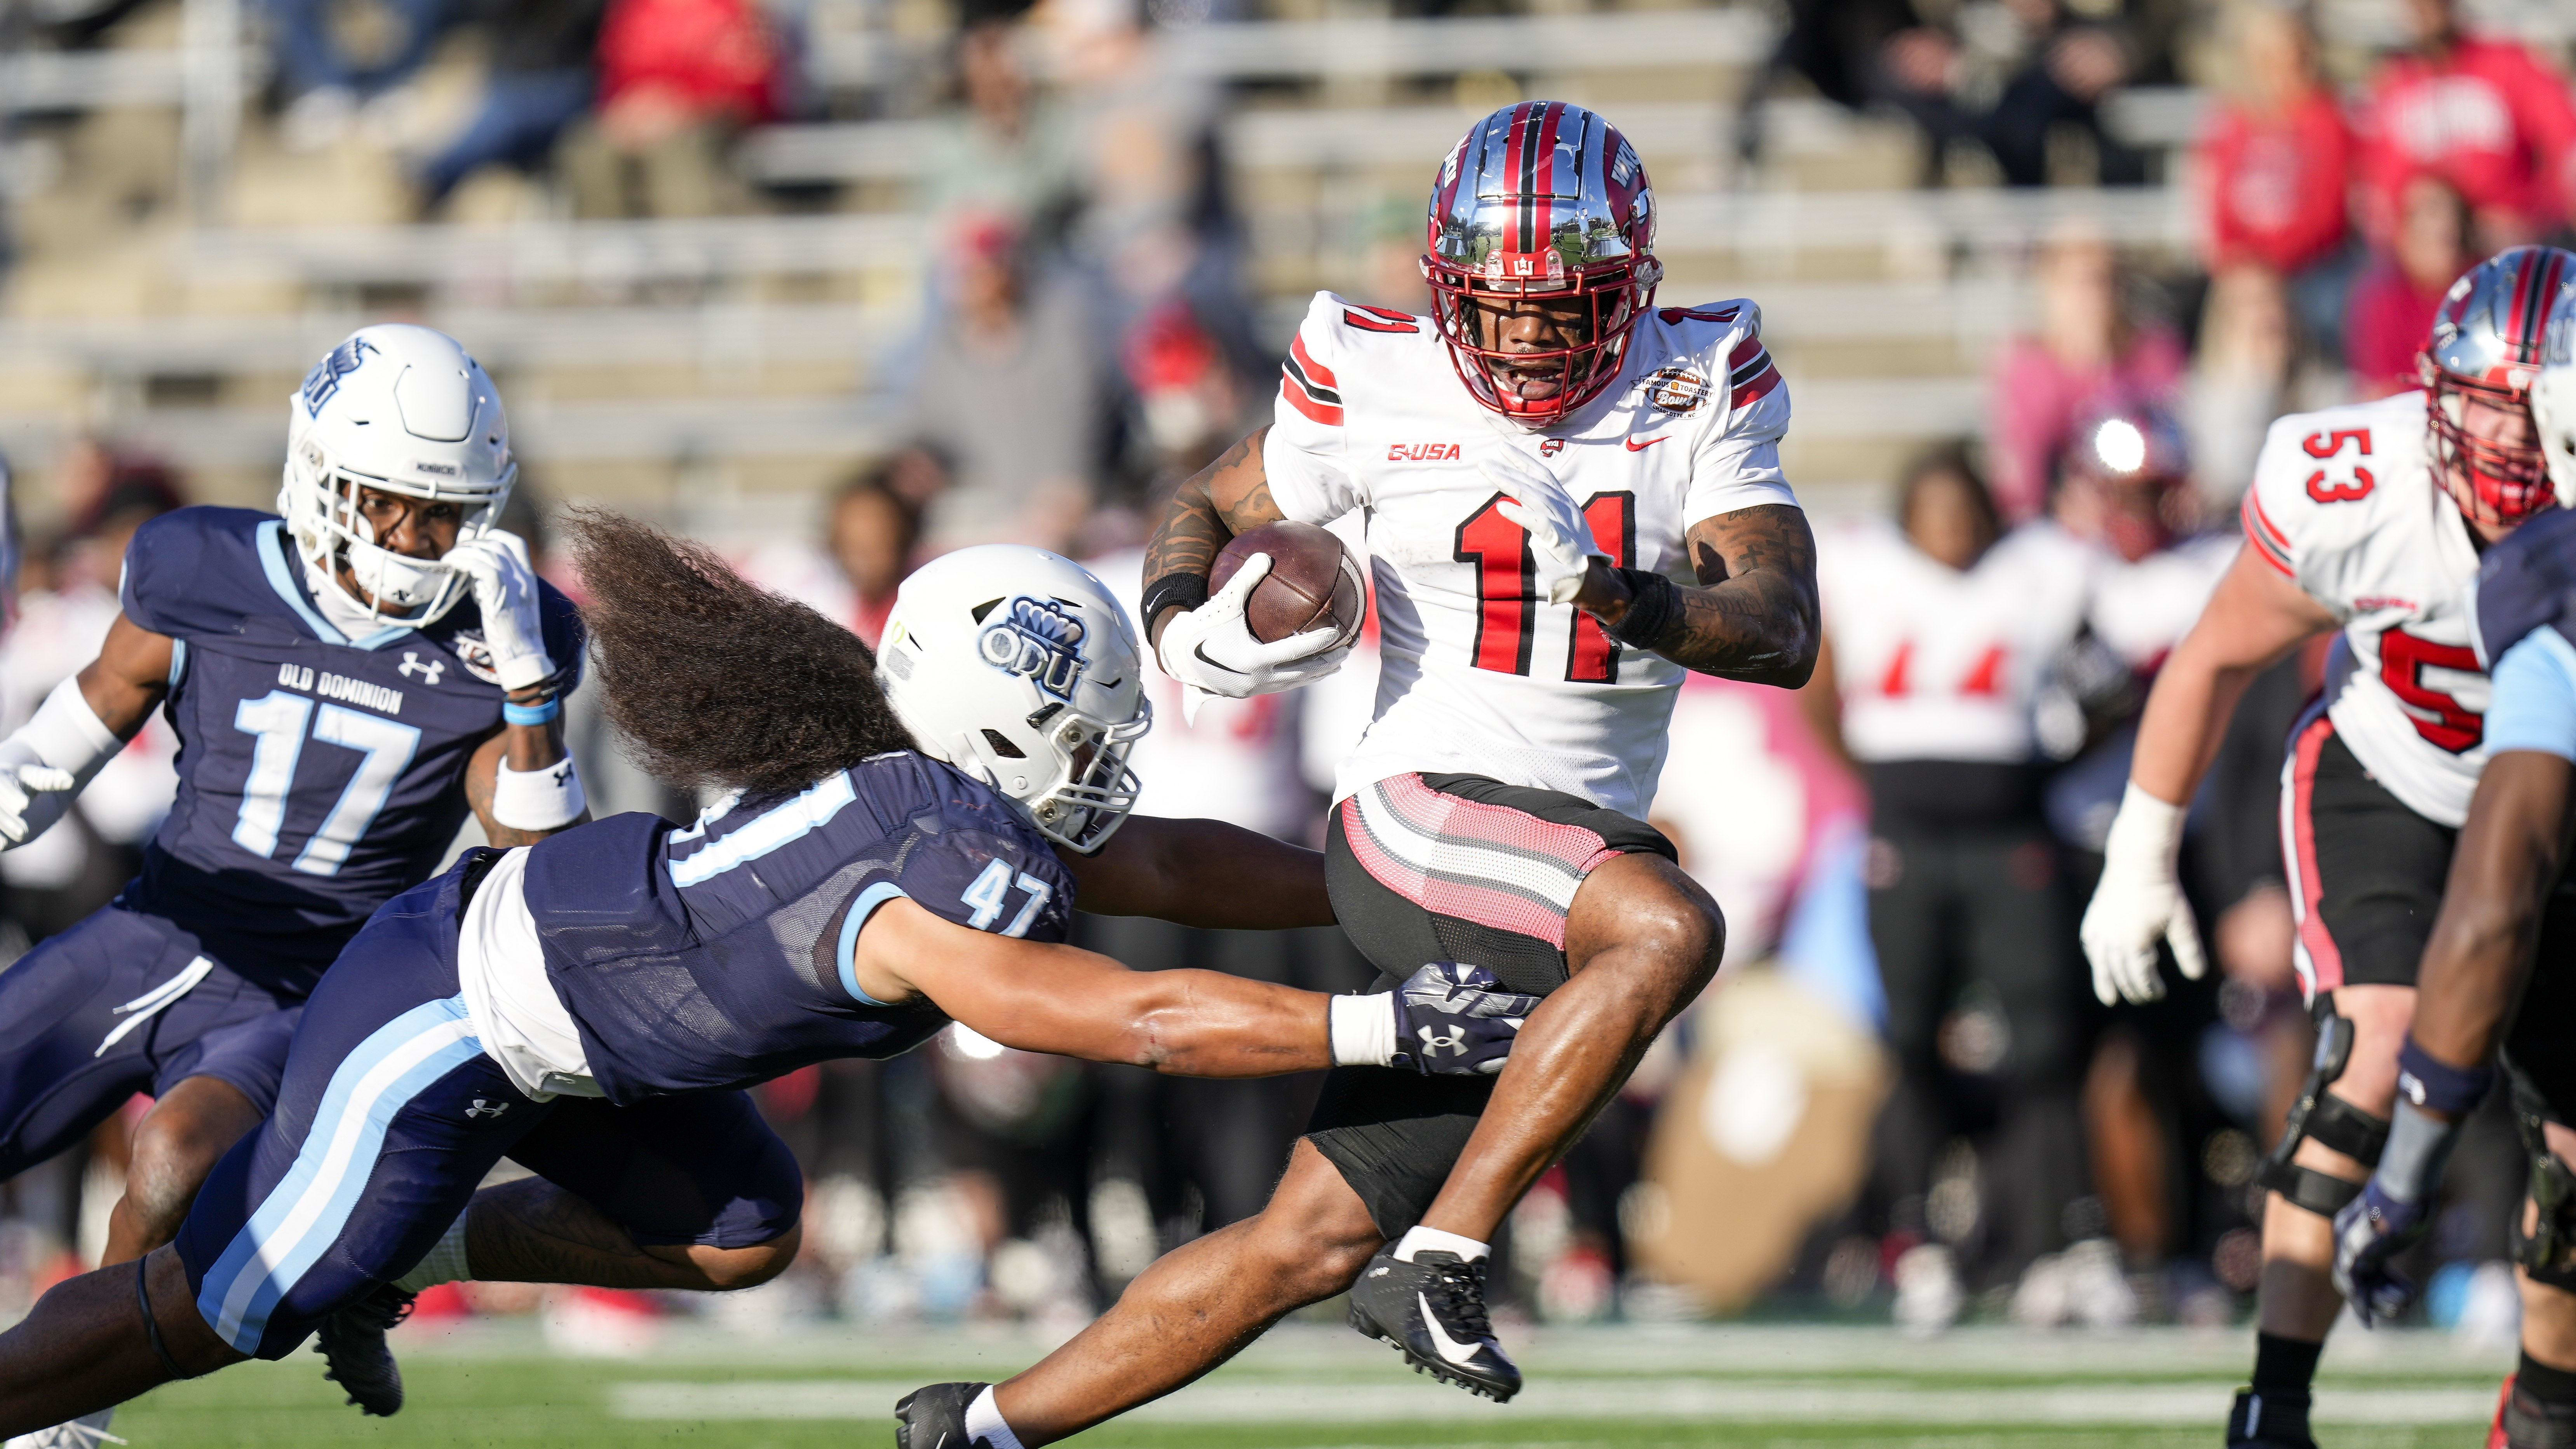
984, 1423
445, 1263
1420, 1239
2543, 1384
2285, 1368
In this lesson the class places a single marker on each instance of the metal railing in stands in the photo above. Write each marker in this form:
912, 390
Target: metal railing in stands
611, 253
846, 426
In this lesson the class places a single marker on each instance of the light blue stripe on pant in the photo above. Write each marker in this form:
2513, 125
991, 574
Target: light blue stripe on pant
301, 1217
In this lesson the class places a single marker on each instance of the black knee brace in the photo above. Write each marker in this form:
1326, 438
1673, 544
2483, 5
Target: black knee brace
2322, 1117
2548, 1251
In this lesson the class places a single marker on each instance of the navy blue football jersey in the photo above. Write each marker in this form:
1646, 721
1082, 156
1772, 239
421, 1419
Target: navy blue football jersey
2527, 581
319, 775
720, 954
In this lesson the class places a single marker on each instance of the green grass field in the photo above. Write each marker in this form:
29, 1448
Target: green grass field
1315, 1387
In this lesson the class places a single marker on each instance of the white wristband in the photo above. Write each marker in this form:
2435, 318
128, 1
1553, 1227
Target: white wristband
68, 735
1363, 1030
2146, 829
544, 799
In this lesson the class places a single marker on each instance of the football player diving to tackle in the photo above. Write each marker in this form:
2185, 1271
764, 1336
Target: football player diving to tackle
2481, 989
1532, 460
900, 846
346, 681
2367, 522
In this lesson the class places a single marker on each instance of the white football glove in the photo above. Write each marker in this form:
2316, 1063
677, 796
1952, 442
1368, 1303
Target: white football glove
505, 589
1211, 650
1561, 543
33, 794
2139, 903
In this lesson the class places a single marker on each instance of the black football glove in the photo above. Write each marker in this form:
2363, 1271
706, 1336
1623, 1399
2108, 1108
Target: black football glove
1453, 1019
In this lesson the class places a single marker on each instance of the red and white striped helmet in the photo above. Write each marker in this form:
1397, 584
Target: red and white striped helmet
1541, 200
2488, 342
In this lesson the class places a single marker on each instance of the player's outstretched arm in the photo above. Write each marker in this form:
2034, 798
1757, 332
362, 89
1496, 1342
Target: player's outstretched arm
533, 750
79, 728
1227, 497
1203, 873
1753, 616
2508, 857
1042, 997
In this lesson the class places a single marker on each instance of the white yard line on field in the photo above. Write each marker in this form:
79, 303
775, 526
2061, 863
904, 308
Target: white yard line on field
1681, 1400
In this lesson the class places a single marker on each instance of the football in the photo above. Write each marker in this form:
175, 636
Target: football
1313, 582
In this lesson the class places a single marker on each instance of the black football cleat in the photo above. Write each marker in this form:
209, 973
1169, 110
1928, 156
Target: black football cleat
2257, 1422
1433, 1310
935, 1417
352, 1342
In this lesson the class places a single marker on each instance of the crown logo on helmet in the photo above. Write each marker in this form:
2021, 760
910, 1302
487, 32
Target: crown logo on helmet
1039, 639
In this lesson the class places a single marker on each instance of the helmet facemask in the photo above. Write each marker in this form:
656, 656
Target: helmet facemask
2494, 483
321, 507
1099, 789
1612, 299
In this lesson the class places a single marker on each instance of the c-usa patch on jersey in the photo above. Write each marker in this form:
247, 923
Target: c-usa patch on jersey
1676, 389
1035, 637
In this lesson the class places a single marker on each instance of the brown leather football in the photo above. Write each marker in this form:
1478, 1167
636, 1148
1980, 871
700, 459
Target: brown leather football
1313, 582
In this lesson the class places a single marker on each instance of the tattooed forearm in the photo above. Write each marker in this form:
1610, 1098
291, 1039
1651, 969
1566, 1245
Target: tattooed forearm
1229, 496
1754, 615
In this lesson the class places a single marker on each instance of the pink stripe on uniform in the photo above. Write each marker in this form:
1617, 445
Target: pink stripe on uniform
1434, 813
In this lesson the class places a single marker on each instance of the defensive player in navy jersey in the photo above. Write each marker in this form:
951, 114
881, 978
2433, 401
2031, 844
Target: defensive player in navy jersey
347, 681
901, 846
2481, 988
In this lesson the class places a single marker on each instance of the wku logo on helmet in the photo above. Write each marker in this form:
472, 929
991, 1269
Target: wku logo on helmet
1037, 638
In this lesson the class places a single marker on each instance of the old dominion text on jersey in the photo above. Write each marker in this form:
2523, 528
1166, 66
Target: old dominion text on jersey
319, 775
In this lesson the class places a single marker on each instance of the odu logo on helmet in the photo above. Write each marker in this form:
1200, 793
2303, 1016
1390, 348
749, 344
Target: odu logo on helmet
1036, 637
339, 362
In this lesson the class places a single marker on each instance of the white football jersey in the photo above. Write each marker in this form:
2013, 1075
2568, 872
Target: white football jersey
1937, 663
2346, 502
1479, 675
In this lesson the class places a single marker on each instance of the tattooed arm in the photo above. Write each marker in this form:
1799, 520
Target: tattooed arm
1229, 496
1754, 615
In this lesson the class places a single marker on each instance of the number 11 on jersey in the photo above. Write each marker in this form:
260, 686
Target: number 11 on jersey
1506, 587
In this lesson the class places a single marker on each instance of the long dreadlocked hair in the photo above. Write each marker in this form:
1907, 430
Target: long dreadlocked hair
715, 681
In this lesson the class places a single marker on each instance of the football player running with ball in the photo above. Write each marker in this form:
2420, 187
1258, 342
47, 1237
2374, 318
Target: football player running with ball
2480, 988
900, 847
347, 681
1531, 460
2368, 520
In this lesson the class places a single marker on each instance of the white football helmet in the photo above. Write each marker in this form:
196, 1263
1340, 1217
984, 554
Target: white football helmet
400, 409
1020, 668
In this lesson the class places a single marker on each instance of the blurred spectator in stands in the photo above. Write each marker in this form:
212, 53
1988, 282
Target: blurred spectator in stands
1009, 387
871, 534
2018, 88
1006, 151
2485, 115
1190, 404
2240, 375
1944, 635
325, 80
1391, 260
1831, 45
678, 80
2277, 159
539, 81
2089, 342
2394, 301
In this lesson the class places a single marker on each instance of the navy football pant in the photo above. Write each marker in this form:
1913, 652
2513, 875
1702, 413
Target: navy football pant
390, 1115
124, 1002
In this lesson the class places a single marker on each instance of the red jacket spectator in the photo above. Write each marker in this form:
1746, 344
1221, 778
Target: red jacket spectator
2276, 183
713, 56
2390, 314
2484, 115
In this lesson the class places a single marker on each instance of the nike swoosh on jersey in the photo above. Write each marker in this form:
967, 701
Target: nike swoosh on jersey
1451, 1349
1636, 447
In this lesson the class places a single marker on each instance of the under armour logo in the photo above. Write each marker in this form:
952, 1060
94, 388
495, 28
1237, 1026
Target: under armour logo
482, 1108
429, 669
1437, 1040
561, 774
